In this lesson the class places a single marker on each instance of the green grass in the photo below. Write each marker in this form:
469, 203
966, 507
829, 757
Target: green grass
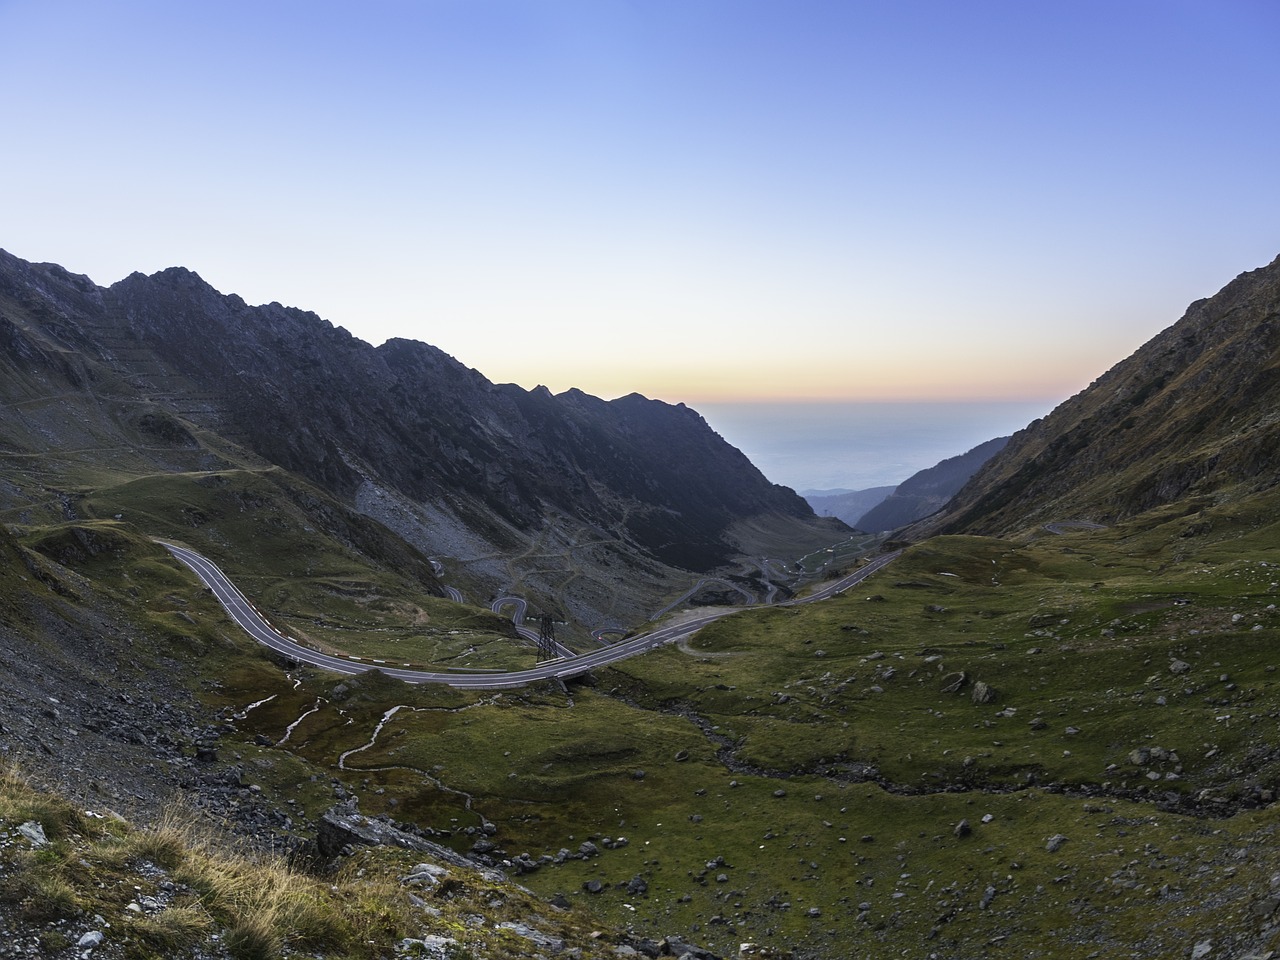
842, 705
1076, 635
1059, 641
366, 595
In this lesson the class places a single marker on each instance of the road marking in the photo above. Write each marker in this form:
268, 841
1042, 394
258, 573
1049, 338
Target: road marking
240, 610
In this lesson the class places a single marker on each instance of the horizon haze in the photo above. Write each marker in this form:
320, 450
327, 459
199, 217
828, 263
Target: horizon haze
857, 445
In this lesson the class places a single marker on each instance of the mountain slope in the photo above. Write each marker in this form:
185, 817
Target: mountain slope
1059, 745
850, 505
1192, 413
609, 504
928, 490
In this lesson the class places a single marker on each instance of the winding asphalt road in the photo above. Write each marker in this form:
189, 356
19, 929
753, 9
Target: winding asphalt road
243, 613
517, 617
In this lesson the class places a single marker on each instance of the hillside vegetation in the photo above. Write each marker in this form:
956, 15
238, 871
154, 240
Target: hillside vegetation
594, 509
173, 888
1048, 730
1057, 746
1191, 414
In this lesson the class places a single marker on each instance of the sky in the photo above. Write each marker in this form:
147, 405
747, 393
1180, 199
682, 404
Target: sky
696, 200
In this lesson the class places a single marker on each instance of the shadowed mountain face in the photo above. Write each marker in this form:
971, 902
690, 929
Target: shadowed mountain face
1191, 414
849, 505
928, 490
458, 465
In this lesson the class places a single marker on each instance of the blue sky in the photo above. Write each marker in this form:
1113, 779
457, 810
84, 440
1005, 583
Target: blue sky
693, 199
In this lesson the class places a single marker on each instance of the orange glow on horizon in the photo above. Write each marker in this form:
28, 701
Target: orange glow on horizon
708, 387
924, 369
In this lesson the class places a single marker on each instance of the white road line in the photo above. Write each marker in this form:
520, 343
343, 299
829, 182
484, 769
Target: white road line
243, 613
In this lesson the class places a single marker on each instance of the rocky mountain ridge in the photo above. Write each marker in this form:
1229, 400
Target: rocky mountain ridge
1059, 742
928, 490
460, 467
1191, 415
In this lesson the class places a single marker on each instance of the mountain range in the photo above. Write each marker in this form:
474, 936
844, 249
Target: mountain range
882, 509
168, 372
848, 505
1043, 726
1190, 417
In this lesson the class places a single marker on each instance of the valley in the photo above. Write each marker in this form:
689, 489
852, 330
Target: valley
1039, 723
855, 787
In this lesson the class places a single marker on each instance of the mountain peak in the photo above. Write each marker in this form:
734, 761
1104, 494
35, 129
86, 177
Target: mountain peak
1190, 413
429, 447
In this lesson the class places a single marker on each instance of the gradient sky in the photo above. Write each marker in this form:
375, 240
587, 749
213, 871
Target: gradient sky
692, 199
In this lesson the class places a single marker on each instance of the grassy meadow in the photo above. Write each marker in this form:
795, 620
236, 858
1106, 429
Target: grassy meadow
1051, 746
824, 775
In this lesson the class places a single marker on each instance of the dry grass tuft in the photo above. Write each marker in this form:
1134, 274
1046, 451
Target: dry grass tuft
256, 936
20, 802
44, 896
166, 843
174, 929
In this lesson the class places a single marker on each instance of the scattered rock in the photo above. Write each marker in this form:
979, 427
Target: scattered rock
430, 947
33, 832
425, 875
954, 682
342, 827
539, 939
982, 692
